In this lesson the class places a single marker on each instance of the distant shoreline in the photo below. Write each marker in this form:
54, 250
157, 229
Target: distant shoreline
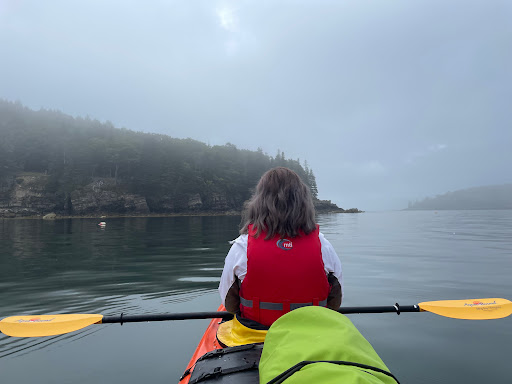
116, 216
476, 198
456, 209
146, 215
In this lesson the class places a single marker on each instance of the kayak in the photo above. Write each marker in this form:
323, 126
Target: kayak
306, 345
214, 363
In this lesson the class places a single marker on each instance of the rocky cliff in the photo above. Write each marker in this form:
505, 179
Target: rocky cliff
29, 194
25, 195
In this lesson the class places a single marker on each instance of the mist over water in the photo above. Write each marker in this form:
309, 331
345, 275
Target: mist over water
156, 265
400, 101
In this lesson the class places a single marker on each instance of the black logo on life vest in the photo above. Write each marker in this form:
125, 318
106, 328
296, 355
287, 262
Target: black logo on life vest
284, 244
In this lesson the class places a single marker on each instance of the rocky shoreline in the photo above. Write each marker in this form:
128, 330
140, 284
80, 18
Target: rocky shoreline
104, 216
29, 195
101, 216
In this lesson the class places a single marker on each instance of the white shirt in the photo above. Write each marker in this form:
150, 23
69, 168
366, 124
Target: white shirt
236, 263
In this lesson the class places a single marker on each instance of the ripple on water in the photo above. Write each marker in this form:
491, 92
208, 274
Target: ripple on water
197, 279
211, 269
160, 302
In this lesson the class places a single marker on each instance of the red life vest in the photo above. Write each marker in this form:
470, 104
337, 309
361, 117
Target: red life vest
282, 275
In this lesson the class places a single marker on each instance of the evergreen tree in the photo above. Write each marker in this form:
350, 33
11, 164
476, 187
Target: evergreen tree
74, 152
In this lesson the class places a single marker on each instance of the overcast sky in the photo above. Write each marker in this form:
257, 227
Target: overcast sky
388, 101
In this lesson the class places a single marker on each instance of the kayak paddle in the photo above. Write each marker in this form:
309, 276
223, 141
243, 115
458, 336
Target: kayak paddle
49, 325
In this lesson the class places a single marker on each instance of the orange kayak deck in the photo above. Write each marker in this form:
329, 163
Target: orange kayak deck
212, 363
207, 344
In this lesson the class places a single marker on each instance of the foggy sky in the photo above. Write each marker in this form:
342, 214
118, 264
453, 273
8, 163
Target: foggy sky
388, 101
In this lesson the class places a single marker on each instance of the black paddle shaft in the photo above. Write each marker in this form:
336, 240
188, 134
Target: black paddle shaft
383, 309
227, 316
166, 316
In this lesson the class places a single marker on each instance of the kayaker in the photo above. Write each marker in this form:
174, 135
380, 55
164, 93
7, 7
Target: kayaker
281, 261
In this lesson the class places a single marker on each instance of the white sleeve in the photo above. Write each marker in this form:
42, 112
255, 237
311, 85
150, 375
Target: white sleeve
331, 260
234, 265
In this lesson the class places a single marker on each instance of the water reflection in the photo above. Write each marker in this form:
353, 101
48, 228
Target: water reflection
133, 265
157, 265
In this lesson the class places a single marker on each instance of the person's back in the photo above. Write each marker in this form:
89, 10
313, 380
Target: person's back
282, 274
280, 261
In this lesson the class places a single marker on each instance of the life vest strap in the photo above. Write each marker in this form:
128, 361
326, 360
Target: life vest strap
279, 306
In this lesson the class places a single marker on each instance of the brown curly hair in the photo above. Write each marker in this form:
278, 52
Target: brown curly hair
282, 204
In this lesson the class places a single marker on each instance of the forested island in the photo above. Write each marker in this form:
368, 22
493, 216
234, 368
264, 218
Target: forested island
488, 197
51, 162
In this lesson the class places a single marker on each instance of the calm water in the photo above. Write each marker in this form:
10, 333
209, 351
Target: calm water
155, 265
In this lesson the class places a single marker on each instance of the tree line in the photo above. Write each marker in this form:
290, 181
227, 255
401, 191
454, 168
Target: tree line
486, 197
74, 151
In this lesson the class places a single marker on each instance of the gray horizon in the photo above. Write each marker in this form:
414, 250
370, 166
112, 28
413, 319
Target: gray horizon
387, 102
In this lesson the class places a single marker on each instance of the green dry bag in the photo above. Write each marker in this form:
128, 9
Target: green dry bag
319, 345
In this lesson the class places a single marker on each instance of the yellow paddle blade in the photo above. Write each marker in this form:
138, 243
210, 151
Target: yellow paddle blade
474, 309
46, 325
